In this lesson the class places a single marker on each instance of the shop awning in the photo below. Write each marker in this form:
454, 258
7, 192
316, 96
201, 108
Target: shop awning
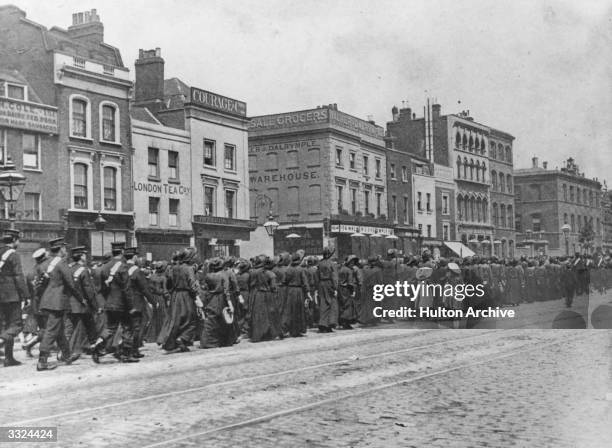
459, 248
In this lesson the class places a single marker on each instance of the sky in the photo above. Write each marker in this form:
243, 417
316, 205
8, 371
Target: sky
540, 70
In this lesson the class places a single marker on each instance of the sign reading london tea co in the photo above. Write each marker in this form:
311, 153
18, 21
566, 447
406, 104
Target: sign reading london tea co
213, 101
30, 116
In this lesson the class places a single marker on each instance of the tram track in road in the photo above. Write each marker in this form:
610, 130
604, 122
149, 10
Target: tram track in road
192, 438
266, 376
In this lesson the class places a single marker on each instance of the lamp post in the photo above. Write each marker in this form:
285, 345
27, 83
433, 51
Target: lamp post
100, 224
11, 187
271, 225
566, 229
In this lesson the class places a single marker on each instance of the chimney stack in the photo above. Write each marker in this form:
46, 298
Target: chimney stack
534, 162
149, 73
87, 26
435, 111
395, 113
545, 165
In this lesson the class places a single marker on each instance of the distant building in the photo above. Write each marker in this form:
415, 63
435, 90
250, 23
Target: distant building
78, 168
546, 199
321, 174
216, 173
606, 210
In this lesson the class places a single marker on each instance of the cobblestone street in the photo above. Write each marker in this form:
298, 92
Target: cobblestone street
367, 387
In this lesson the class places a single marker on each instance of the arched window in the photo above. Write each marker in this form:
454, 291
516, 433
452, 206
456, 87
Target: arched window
502, 210
565, 193
479, 209
485, 210
109, 122
478, 171
573, 223
510, 217
460, 208
477, 144
80, 117
483, 146
464, 142
508, 154
564, 218
495, 215
578, 195
509, 183
458, 167
591, 198
466, 206
80, 186
494, 180
472, 206
465, 168
584, 194
492, 149
458, 140
502, 183
471, 169
484, 172
471, 142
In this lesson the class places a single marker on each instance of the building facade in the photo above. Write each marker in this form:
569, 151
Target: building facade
217, 127
162, 191
546, 199
76, 72
322, 174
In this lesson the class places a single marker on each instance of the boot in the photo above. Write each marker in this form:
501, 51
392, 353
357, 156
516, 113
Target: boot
181, 345
136, 354
126, 356
97, 351
27, 347
9, 360
68, 359
42, 363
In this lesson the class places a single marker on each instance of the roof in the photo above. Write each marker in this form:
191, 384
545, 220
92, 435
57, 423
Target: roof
14, 76
143, 114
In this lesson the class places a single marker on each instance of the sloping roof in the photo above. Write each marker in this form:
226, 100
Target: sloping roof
143, 114
16, 77
176, 92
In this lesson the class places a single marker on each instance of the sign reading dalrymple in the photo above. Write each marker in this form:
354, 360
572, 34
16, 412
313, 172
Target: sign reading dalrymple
29, 116
211, 100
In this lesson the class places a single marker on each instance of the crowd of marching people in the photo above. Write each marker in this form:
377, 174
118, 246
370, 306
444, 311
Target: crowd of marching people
112, 307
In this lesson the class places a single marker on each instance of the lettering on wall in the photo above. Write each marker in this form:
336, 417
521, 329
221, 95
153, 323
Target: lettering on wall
218, 102
22, 115
157, 188
283, 177
285, 146
290, 119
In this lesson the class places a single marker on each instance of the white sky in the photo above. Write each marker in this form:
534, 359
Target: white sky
540, 70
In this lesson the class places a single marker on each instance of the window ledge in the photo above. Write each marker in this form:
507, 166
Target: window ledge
210, 167
85, 139
106, 142
153, 179
33, 170
174, 181
230, 171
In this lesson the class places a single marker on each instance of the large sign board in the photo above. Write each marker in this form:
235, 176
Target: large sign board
29, 116
218, 102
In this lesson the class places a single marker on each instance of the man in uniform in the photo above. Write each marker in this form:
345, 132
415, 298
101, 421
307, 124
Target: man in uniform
82, 311
57, 283
13, 291
118, 304
143, 299
39, 318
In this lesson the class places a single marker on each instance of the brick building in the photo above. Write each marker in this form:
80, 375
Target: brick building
82, 174
217, 174
546, 199
322, 174
457, 144
606, 210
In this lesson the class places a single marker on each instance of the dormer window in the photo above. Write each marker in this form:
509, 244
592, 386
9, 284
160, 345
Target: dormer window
14, 91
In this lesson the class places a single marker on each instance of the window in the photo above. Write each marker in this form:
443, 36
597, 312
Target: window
573, 223
353, 201
535, 223
564, 218
584, 196
392, 169
154, 163
80, 118
366, 170
502, 183
458, 167
153, 211
366, 202
420, 229
32, 206
460, 208
109, 123
405, 209
465, 168
16, 92
110, 188
578, 195
494, 180
352, 160
502, 217
173, 212
419, 201
377, 172
80, 186
564, 192
173, 164
338, 156
229, 158
510, 217
209, 153
394, 207
471, 169
378, 203
445, 232
571, 193
404, 174
209, 201
445, 210
509, 183
495, 215
2, 146
428, 230
428, 196
31, 151
339, 191
292, 159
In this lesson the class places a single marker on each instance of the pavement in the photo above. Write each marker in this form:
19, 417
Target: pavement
384, 386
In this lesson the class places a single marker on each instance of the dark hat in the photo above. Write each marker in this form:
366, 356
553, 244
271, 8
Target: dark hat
130, 252
391, 253
215, 264
56, 243
351, 259
296, 258
268, 263
117, 246
258, 262
12, 233
328, 252
78, 250
188, 254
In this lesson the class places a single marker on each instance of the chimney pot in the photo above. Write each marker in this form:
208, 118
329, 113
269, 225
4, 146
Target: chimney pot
534, 161
545, 165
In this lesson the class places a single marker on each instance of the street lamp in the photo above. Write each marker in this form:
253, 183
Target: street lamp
11, 187
100, 224
566, 229
270, 225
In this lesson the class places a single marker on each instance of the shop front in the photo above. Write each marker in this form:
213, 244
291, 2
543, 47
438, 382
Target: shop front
216, 236
97, 231
363, 238
160, 244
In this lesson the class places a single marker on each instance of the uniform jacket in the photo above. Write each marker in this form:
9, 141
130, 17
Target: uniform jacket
60, 285
13, 286
139, 287
84, 283
115, 287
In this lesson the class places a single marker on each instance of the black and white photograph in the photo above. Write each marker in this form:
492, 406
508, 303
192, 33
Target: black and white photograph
315, 223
